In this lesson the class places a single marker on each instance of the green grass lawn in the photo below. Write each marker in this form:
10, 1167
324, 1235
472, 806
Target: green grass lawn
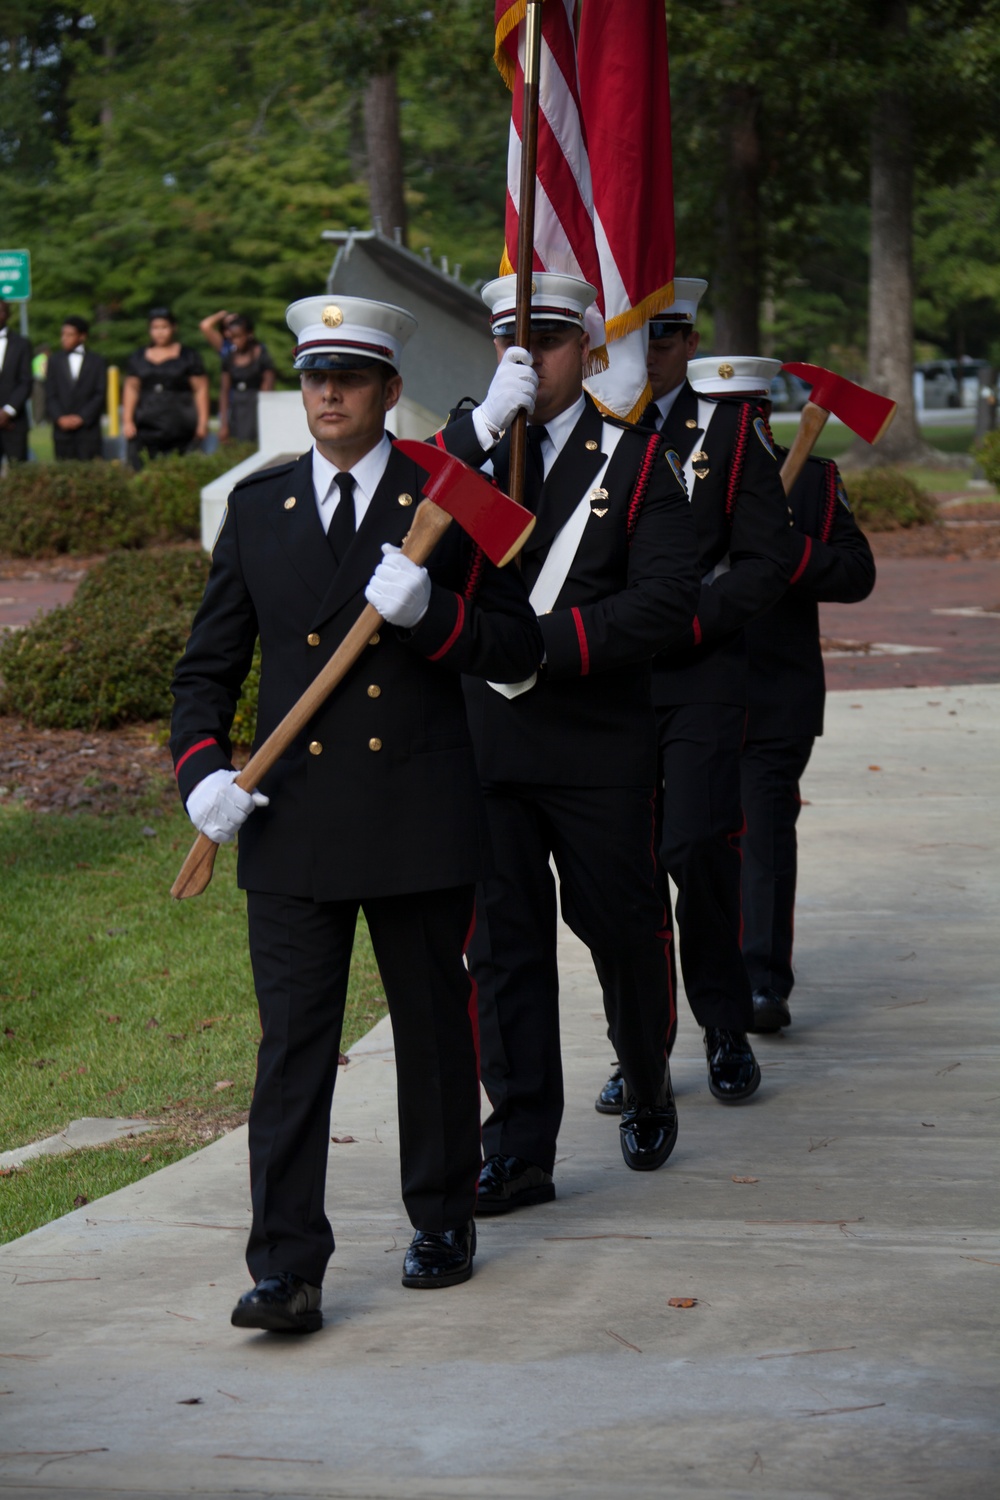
835, 440
117, 1000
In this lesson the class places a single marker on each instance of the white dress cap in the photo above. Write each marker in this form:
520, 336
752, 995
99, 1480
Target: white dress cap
732, 375
688, 292
344, 333
554, 299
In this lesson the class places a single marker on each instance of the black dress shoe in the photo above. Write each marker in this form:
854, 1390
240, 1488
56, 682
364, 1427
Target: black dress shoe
509, 1182
281, 1303
733, 1073
770, 1011
440, 1258
648, 1131
609, 1100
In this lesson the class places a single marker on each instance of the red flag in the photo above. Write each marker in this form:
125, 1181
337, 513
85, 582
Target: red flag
625, 99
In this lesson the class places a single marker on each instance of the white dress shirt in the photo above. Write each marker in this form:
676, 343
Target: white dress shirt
367, 474
75, 357
557, 432
10, 410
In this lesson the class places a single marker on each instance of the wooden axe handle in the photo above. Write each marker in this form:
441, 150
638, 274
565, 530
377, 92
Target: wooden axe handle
811, 424
429, 525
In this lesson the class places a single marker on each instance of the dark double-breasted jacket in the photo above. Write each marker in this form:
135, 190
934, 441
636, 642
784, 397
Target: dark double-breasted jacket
379, 795
833, 561
83, 397
745, 555
631, 589
15, 375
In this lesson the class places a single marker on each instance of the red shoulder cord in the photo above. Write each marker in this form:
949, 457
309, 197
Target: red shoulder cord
474, 574
735, 479
642, 484
830, 500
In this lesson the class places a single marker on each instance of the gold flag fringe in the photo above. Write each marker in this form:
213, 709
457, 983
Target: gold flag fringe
506, 269
597, 360
510, 18
634, 414
635, 317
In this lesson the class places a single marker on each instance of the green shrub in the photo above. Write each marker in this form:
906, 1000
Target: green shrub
108, 657
46, 509
170, 489
988, 454
245, 717
886, 500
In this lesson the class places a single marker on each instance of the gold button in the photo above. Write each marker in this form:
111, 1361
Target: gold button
374, 744
374, 691
690, 422
373, 640
315, 748
312, 638
405, 499
590, 445
290, 503
332, 316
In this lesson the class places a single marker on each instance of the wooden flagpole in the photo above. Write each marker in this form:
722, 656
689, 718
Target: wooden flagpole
526, 229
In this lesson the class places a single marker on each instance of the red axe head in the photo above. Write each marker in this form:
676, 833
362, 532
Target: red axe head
862, 411
496, 522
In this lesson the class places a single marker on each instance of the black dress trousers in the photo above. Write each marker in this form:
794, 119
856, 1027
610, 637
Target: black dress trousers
701, 819
301, 954
596, 836
770, 771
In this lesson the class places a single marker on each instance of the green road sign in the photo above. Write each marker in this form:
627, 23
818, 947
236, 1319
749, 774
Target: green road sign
15, 275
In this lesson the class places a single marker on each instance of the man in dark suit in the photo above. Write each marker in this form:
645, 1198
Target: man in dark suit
75, 391
15, 390
377, 804
787, 691
567, 758
700, 683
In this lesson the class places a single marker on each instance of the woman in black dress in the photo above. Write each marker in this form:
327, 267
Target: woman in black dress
246, 369
165, 402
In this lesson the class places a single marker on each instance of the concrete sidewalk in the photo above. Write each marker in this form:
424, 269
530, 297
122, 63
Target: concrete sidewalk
843, 1342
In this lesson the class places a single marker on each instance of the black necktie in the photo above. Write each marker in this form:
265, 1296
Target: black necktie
651, 417
534, 467
341, 531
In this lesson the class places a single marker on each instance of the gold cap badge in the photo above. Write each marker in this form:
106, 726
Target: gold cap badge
726, 371
332, 316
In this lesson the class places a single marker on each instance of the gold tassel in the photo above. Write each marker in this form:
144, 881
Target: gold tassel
597, 360
506, 269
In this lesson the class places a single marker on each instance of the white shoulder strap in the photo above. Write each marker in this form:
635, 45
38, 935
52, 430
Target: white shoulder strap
706, 411
559, 560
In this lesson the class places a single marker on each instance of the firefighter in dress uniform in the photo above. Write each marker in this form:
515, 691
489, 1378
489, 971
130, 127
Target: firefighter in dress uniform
376, 806
700, 683
567, 757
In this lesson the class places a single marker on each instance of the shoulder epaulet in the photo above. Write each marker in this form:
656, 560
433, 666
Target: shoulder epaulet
261, 474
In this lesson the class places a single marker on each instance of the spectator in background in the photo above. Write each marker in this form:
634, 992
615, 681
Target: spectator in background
75, 392
215, 329
246, 369
15, 390
165, 403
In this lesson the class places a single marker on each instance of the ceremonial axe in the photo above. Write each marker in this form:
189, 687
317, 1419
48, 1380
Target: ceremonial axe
455, 492
862, 411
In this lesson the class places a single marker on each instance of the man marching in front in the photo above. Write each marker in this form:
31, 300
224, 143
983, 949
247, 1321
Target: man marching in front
567, 756
376, 806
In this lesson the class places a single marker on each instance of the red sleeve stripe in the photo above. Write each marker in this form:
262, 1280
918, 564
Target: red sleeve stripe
581, 636
804, 563
459, 622
201, 745
696, 627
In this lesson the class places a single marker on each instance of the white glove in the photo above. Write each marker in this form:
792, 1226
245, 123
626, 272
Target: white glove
218, 808
514, 385
399, 589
